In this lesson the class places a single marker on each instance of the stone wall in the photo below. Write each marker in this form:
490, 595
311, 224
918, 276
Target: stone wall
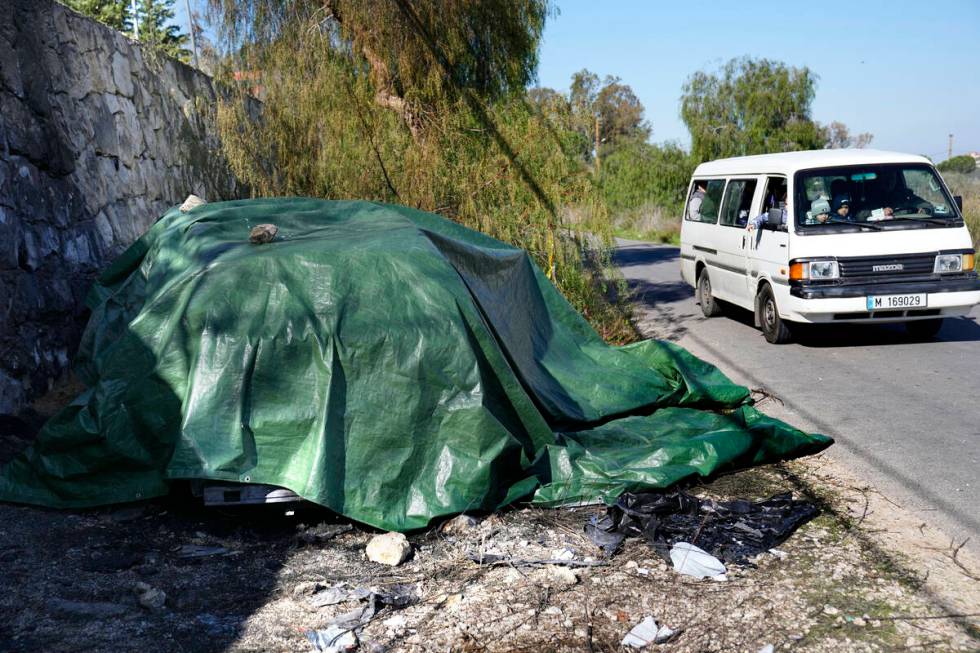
97, 139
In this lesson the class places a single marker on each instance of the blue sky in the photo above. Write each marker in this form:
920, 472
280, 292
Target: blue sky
908, 72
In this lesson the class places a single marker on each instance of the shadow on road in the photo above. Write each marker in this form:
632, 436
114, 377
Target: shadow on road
864, 335
632, 255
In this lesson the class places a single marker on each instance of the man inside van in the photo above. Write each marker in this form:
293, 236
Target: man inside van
697, 197
759, 220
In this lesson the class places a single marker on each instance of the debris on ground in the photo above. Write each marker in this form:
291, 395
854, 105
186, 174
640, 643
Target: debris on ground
647, 632
733, 531
150, 597
390, 549
332, 640
459, 525
200, 551
692, 561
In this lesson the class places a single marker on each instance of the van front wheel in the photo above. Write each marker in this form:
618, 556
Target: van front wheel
709, 305
774, 328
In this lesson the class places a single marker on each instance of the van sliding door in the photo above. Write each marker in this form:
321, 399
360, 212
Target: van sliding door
730, 273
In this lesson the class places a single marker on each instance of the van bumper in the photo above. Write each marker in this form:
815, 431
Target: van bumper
945, 297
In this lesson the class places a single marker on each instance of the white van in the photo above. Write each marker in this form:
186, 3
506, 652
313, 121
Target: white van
828, 236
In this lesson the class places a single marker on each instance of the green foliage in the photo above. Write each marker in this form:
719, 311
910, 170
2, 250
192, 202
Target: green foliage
114, 13
354, 106
752, 106
963, 164
157, 30
967, 185
639, 173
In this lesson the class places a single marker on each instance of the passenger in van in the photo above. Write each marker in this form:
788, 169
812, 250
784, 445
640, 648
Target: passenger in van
842, 207
759, 220
697, 197
819, 212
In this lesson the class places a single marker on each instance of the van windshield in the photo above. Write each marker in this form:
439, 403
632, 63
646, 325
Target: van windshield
880, 196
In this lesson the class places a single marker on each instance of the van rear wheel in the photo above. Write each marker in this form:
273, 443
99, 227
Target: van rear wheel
709, 305
774, 328
924, 328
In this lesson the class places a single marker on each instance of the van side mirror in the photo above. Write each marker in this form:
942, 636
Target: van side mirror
958, 200
774, 219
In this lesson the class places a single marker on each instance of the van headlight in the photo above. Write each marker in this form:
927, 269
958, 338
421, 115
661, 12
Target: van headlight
946, 263
821, 270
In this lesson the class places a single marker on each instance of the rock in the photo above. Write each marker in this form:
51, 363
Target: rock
395, 623
459, 525
150, 597
561, 576
830, 610
307, 588
192, 202
860, 622
390, 549
263, 233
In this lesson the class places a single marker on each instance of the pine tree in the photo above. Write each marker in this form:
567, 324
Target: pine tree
114, 13
157, 30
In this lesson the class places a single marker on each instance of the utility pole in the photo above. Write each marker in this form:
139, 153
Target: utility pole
949, 150
597, 162
190, 21
136, 22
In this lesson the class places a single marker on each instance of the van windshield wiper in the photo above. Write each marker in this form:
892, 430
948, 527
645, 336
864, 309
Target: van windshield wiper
869, 225
942, 221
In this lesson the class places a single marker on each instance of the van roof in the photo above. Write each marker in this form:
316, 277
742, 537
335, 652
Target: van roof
788, 163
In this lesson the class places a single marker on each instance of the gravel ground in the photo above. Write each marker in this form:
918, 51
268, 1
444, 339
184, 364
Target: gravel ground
72, 582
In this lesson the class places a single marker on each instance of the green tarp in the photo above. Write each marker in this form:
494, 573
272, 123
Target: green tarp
381, 361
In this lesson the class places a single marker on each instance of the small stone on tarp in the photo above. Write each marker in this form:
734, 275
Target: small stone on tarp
192, 202
263, 233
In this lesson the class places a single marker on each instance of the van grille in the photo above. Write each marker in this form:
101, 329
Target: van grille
899, 265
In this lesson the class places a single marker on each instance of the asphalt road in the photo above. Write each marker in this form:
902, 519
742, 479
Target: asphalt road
904, 413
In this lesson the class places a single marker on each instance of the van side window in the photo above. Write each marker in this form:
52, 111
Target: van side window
703, 206
738, 202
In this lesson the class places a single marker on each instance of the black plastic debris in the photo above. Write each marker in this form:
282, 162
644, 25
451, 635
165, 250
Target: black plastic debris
732, 531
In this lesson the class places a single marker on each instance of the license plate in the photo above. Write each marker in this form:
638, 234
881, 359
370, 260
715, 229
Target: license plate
892, 302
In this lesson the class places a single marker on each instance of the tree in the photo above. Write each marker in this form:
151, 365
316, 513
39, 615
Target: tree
114, 13
157, 30
839, 136
614, 104
963, 164
752, 106
416, 54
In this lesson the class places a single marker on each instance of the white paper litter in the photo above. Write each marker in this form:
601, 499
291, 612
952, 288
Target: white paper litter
692, 561
647, 632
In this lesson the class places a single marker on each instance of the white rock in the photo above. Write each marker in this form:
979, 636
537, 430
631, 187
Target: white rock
831, 610
390, 549
561, 576
192, 201
768, 648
